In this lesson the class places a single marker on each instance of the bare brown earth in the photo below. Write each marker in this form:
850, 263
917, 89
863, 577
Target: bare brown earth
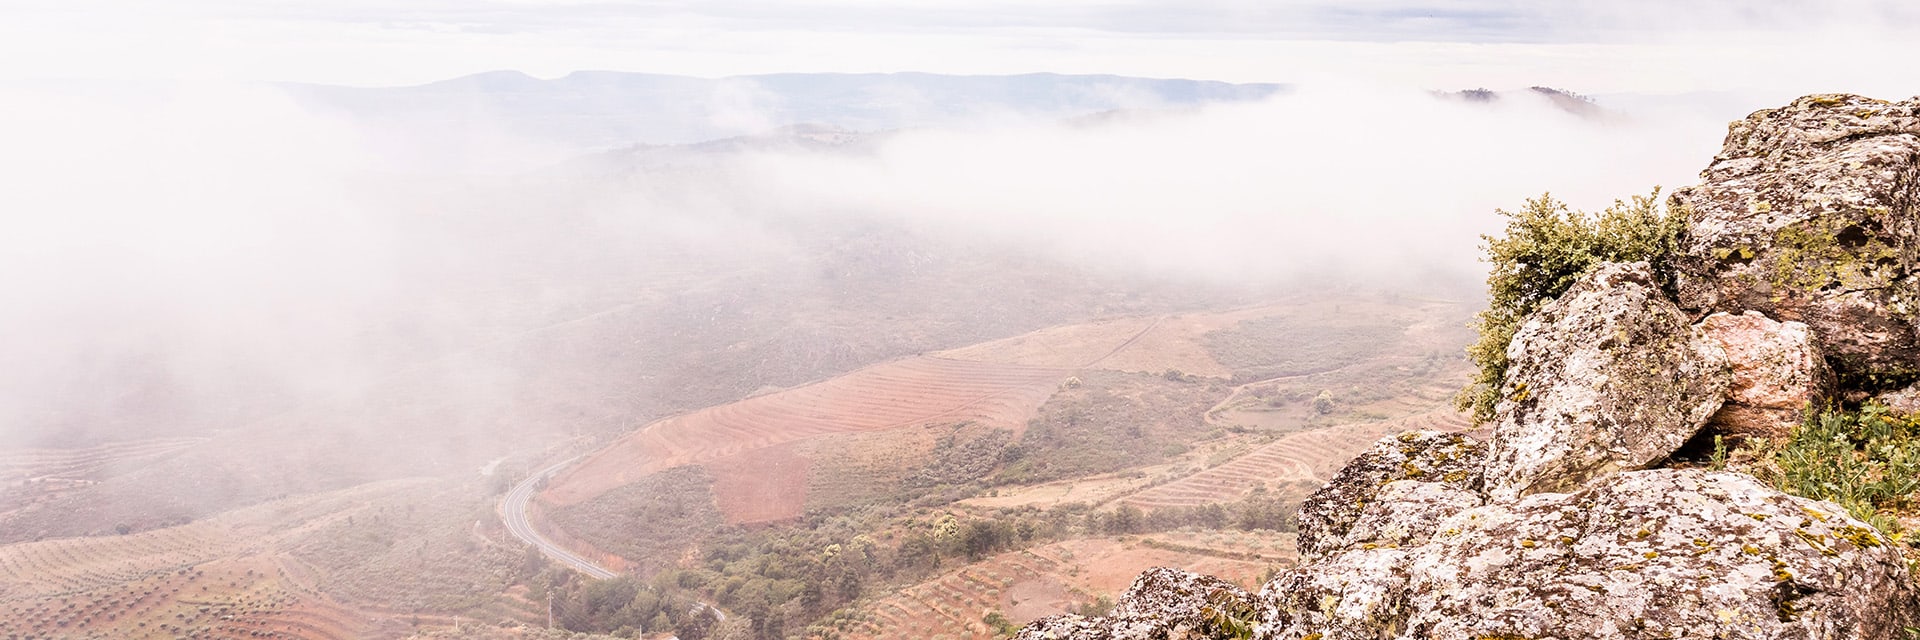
1257, 545
1088, 490
1027, 585
1302, 459
1142, 345
761, 485
879, 421
906, 393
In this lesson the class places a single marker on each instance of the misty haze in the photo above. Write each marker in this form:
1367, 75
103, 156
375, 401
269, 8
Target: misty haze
836, 321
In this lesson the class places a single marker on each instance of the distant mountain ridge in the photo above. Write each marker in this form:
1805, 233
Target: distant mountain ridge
604, 109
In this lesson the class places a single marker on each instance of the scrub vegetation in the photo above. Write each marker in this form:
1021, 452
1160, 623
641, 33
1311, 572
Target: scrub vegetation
1546, 246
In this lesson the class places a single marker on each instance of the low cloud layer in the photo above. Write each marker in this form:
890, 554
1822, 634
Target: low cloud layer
238, 247
1340, 179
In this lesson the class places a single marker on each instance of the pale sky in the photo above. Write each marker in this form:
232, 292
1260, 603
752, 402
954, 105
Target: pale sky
1591, 46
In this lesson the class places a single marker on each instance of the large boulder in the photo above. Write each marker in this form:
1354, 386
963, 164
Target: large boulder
1162, 604
1811, 213
1609, 377
1393, 494
1661, 553
1778, 372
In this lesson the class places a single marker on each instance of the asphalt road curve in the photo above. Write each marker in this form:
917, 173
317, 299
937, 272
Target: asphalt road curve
513, 512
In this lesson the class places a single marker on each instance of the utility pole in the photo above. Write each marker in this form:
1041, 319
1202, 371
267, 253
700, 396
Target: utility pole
549, 607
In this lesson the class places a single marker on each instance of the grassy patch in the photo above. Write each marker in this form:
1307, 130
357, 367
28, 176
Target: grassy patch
1287, 345
1867, 461
1112, 421
650, 521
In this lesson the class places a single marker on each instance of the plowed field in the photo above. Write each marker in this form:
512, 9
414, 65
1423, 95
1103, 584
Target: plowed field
1312, 456
902, 393
1027, 585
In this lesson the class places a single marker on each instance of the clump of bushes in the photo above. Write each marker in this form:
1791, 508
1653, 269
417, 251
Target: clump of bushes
1546, 247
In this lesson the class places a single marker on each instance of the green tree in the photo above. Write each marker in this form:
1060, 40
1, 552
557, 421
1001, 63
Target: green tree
1547, 246
1323, 403
1000, 625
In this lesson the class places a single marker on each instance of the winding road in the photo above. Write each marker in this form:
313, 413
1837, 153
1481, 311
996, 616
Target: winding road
513, 512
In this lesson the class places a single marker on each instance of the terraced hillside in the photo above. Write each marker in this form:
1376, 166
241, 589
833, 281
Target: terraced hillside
219, 578
30, 476
1026, 585
74, 464
903, 393
297, 568
1305, 459
1150, 344
246, 597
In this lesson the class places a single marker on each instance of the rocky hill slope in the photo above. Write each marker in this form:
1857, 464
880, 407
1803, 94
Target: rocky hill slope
1795, 289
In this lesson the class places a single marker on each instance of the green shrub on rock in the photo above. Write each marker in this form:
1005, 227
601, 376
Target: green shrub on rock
1546, 246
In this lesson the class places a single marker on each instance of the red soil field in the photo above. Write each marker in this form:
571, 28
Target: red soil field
902, 393
761, 485
1024, 586
1312, 456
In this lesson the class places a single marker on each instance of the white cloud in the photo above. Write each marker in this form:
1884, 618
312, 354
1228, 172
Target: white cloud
1348, 178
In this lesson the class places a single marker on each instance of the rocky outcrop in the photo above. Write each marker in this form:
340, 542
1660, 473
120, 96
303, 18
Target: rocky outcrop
1438, 471
1778, 372
1162, 604
1608, 377
1647, 554
1811, 213
1564, 525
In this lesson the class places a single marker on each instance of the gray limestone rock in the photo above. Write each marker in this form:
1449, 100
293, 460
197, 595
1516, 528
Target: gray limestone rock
1609, 377
1349, 510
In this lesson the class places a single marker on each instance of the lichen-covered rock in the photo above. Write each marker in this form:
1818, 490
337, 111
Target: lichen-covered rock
1359, 594
1778, 372
1179, 596
1406, 513
1903, 401
1161, 604
1609, 377
1449, 460
1811, 212
1660, 554
1067, 626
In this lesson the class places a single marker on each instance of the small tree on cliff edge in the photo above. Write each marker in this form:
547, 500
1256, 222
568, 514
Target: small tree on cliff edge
1545, 248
